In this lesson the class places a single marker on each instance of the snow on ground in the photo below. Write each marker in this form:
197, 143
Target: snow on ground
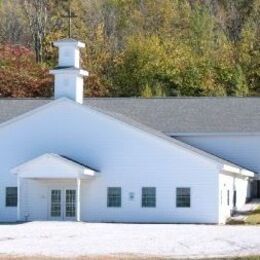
67, 239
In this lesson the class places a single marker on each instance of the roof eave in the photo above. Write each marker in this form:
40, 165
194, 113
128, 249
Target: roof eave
238, 171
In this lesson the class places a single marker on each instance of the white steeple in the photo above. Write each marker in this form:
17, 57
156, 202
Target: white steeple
68, 77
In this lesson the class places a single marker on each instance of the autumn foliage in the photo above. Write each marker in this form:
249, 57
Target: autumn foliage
20, 75
135, 48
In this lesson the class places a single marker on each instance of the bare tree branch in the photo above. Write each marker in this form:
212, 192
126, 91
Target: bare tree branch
37, 15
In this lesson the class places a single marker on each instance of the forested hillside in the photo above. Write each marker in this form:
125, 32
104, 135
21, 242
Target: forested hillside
135, 47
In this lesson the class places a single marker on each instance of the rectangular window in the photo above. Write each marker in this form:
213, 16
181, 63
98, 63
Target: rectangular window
148, 197
114, 197
182, 197
228, 197
11, 197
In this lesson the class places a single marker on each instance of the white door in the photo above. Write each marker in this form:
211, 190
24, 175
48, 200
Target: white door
62, 204
70, 204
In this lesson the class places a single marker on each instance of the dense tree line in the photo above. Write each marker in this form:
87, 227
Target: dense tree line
135, 47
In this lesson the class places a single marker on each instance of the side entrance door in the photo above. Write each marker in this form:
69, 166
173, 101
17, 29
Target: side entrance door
258, 189
62, 204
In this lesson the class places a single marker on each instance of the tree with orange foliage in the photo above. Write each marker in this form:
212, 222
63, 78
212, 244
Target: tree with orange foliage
20, 75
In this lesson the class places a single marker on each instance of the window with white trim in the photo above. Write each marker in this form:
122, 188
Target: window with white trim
183, 197
114, 197
11, 197
148, 197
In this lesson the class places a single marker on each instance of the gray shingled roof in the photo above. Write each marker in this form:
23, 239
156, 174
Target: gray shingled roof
168, 115
11, 107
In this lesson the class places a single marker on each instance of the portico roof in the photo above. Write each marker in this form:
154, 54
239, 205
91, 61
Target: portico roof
53, 166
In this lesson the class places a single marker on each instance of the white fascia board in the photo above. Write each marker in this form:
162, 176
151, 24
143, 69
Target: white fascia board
89, 172
77, 170
180, 134
79, 72
80, 168
232, 169
67, 162
236, 170
248, 173
69, 42
26, 175
16, 170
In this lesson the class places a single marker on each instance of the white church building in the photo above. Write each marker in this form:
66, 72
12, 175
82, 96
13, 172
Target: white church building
158, 160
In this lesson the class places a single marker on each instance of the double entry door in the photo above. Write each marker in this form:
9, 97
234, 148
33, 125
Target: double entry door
63, 204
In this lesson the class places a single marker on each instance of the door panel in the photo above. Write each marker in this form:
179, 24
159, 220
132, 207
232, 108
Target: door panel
63, 204
56, 203
70, 204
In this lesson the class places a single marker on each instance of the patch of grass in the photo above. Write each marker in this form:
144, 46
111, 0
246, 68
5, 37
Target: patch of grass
235, 222
242, 258
253, 217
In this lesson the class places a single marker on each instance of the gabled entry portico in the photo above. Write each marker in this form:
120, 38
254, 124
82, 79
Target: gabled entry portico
61, 178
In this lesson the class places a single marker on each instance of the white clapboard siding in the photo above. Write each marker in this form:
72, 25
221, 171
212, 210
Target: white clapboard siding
125, 157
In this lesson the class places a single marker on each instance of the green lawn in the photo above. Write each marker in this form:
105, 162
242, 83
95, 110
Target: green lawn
253, 217
242, 258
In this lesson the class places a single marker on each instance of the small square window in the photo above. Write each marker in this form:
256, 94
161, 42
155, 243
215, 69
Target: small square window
148, 197
114, 197
11, 197
183, 197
